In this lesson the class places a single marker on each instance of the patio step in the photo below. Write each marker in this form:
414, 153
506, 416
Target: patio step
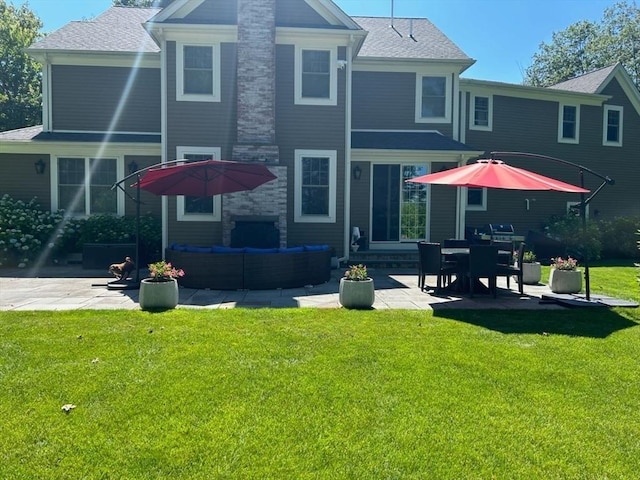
384, 258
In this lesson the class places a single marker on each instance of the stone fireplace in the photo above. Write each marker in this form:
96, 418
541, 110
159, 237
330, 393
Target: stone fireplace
256, 122
257, 231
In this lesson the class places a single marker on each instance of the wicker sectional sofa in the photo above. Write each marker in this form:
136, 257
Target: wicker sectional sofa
224, 268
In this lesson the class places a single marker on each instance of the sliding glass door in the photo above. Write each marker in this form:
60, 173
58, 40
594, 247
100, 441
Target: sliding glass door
398, 209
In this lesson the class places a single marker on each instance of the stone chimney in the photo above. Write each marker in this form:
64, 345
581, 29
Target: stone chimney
256, 118
256, 76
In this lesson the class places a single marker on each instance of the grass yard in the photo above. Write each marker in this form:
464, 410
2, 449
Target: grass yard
324, 394
320, 394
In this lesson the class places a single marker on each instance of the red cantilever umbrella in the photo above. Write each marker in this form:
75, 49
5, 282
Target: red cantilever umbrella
496, 174
205, 178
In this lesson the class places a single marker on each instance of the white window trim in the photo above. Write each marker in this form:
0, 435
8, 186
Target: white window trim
478, 208
216, 215
472, 114
333, 82
562, 139
55, 200
605, 114
571, 204
191, 97
447, 99
332, 155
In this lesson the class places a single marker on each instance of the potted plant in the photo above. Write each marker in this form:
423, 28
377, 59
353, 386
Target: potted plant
160, 290
565, 276
356, 288
531, 269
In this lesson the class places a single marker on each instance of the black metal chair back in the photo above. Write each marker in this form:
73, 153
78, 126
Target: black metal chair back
483, 263
430, 262
455, 243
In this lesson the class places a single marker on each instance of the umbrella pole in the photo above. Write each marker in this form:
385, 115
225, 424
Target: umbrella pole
138, 229
583, 215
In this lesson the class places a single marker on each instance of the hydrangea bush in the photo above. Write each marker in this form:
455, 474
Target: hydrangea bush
25, 229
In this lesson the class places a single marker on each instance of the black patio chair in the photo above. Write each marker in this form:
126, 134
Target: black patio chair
514, 269
430, 263
483, 263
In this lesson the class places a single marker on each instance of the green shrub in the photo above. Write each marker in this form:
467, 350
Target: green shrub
578, 242
618, 237
111, 229
24, 230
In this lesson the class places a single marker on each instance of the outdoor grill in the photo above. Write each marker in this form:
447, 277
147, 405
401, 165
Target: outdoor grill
503, 232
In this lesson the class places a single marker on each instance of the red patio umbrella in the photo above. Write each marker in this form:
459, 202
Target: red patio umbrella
496, 174
205, 178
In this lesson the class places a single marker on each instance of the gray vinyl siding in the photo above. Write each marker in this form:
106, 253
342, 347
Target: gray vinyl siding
20, 181
289, 13
387, 101
442, 209
86, 98
309, 127
205, 124
215, 13
293, 13
149, 203
526, 125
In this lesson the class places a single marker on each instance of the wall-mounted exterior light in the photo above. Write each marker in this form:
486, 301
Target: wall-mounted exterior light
357, 172
40, 166
133, 167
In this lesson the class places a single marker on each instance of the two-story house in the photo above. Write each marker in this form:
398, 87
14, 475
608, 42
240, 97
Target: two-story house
341, 109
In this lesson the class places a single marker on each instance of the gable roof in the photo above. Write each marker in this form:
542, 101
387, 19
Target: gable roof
117, 30
588, 83
597, 81
408, 39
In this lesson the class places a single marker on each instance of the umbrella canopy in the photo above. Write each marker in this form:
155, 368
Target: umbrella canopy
205, 178
496, 174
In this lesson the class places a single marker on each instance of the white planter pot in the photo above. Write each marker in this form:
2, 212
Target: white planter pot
356, 293
158, 295
565, 281
531, 273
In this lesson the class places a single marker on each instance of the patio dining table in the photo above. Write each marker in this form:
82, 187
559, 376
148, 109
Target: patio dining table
461, 256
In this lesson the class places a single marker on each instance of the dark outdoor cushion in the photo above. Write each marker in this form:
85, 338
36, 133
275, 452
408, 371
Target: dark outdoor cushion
316, 248
221, 249
291, 249
254, 251
191, 248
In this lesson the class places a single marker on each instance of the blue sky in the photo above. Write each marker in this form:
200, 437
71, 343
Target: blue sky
501, 35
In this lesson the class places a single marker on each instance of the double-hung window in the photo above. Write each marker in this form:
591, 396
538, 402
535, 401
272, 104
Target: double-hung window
83, 186
476, 198
433, 99
481, 113
197, 72
315, 186
569, 123
612, 126
196, 208
316, 80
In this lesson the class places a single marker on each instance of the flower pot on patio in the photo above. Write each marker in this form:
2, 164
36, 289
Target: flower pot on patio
531, 273
158, 295
565, 281
356, 293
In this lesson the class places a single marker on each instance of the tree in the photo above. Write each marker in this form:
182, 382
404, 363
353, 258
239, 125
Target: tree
586, 46
20, 75
141, 3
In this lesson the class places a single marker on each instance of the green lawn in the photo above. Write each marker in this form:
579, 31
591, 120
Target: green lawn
321, 394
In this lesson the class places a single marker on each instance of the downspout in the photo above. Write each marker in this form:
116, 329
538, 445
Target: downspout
347, 152
46, 95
